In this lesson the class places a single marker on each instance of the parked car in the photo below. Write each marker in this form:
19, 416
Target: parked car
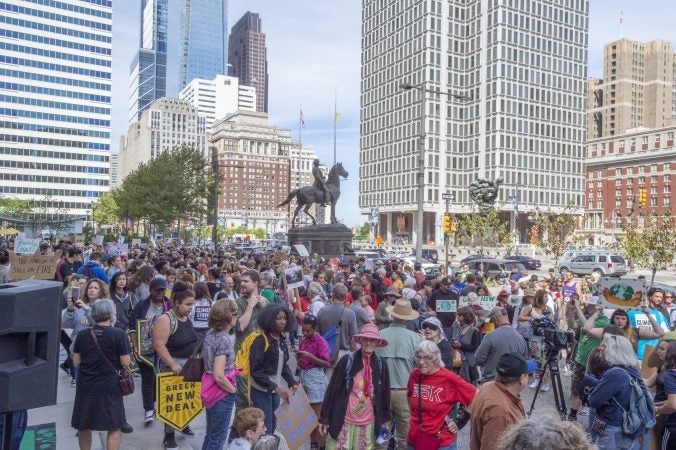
428, 267
430, 254
528, 262
469, 258
664, 287
605, 264
491, 266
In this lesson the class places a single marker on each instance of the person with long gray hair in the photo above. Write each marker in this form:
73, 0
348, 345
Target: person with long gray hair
98, 399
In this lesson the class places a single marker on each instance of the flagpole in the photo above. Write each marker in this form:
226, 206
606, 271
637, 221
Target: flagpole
335, 121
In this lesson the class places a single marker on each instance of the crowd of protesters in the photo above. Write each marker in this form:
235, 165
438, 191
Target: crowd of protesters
382, 359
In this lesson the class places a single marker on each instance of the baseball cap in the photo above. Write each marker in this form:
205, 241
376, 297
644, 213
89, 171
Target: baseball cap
157, 283
445, 280
512, 365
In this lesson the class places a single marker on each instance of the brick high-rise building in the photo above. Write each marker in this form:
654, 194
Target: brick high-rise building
637, 89
247, 57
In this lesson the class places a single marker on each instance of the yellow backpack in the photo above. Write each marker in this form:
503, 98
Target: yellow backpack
242, 356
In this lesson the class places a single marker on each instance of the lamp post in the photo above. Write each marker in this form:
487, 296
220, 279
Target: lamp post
421, 158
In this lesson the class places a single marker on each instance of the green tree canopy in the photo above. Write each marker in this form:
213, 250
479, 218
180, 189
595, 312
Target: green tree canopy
553, 229
650, 241
481, 228
16, 208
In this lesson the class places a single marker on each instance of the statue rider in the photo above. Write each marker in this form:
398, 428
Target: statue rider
320, 182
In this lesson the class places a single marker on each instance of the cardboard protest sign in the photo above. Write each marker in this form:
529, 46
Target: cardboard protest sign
118, 249
33, 266
79, 240
302, 251
447, 306
178, 401
622, 293
24, 246
296, 419
293, 277
486, 302
98, 239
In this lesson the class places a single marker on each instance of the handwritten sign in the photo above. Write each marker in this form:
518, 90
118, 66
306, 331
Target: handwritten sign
178, 401
487, 302
26, 246
118, 249
623, 294
296, 419
33, 266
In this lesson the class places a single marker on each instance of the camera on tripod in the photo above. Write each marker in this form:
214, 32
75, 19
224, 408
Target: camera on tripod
554, 337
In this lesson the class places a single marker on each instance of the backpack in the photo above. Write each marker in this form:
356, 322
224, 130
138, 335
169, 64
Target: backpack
242, 356
350, 361
331, 337
146, 348
640, 417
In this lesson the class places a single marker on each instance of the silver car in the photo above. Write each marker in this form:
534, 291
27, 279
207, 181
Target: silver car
605, 264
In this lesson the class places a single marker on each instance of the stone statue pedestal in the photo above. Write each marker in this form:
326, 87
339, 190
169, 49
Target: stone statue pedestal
328, 241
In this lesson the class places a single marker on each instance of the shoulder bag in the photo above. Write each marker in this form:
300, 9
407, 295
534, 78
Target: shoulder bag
126, 379
424, 440
193, 368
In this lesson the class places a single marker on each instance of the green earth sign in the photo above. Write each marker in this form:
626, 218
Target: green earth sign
622, 291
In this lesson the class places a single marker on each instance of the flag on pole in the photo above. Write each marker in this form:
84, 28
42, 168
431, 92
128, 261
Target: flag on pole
338, 116
302, 120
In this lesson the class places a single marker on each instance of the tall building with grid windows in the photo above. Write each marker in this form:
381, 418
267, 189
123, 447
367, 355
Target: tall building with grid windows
203, 40
522, 64
148, 69
55, 85
247, 57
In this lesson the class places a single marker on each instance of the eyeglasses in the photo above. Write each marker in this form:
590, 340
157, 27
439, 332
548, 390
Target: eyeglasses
426, 358
429, 326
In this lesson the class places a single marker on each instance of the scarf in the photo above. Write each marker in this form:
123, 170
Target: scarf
368, 382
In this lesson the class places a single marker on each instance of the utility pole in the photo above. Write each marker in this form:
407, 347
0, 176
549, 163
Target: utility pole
448, 197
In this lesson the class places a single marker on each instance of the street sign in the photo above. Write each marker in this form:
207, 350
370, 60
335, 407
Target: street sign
448, 196
178, 401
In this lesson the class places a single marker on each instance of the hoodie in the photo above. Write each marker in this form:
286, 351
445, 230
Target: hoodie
93, 270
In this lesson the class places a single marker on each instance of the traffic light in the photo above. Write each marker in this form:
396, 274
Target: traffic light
448, 223
642, 194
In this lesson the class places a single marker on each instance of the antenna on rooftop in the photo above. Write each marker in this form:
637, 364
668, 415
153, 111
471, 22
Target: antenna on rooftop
621, 24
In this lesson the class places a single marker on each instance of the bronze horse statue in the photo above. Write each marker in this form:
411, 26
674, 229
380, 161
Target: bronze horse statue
307, 196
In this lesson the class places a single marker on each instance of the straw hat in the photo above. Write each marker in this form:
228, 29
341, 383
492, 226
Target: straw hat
369, 331
402, 310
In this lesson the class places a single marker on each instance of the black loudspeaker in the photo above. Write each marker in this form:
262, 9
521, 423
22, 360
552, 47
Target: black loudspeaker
30, 322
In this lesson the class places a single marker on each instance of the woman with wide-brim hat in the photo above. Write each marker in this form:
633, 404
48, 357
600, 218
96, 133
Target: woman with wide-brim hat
353, 411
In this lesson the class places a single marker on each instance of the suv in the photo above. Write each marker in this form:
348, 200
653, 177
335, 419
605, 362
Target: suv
492, 266
430, 254
605, 264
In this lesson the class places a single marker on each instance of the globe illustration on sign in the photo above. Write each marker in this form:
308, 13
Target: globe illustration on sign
622, 291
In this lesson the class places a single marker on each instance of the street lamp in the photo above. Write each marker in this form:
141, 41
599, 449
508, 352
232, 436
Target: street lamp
421, 158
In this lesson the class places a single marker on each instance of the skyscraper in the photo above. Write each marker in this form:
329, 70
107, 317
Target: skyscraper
203, 40
148, 69
247, 57
55, 100
522, 67
637, 89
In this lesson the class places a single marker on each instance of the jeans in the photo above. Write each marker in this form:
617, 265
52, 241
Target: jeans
19, 422
613, 439
218, 423
147, 385
453, 446
268, 402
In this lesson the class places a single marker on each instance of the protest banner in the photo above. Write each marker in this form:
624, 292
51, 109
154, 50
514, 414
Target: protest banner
24, 246
118, 249
296, 419
98, 239
293, 277
486, 302
447, 306
302, 251
622, 293
178, 401
34, 266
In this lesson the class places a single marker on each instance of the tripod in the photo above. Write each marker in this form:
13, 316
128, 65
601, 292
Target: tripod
553, 366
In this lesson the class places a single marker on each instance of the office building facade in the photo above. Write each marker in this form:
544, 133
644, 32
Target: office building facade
167, 123
638, 89
55, 102
521, 67
203, 40
214, 99
148, 69
259, 165
247, 57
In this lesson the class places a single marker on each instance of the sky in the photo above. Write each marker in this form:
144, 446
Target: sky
314, 60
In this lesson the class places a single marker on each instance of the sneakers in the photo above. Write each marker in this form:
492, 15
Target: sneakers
535, 382
126, 428
566, 371
73, 383
170, 442
584, 411
187, 432
149, 417
545, 387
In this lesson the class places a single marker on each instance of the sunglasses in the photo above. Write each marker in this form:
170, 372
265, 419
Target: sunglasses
429, 326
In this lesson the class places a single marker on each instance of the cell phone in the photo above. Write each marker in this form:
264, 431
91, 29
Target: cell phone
75, 294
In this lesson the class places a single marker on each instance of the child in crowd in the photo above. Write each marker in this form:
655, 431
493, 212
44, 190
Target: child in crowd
365, 302
313, 357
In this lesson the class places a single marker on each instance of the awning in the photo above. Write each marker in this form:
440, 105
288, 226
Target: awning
9, 231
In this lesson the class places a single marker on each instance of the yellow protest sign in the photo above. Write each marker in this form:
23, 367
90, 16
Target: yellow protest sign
178, 401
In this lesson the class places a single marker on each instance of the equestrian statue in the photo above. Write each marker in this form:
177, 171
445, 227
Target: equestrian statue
323, 192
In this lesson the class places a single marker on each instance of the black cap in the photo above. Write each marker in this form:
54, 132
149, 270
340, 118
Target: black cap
446, 280
512, 365
157, 283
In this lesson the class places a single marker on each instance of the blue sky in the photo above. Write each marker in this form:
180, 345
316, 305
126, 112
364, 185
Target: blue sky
314, 49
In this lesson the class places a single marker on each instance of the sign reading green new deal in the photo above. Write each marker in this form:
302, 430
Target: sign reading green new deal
178, 401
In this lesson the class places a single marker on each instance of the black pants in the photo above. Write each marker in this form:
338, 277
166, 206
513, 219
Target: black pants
147, 385
66, 341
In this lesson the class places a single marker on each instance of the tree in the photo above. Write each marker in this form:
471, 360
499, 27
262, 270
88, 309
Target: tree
106, 210
651, 243
365, 229
552, 230
16, 208
482, 227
